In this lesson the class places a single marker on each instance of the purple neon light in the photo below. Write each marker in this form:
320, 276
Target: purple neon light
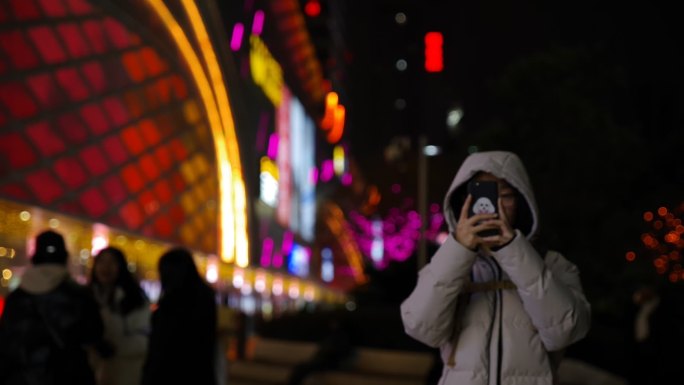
273, 146
288, 241
258, 23
327, 170
400, 233
278, 260
313, 175
262, 129
266, 252
347, 179
236, 39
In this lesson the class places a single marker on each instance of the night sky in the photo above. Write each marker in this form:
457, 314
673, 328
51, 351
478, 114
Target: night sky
589, 94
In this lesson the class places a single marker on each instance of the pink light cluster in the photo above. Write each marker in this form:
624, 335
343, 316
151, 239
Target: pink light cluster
400, 233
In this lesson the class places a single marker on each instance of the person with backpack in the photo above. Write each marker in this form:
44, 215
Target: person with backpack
500, 308
49, 323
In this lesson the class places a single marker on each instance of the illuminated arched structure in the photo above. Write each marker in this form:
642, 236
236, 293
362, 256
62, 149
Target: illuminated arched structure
102, 118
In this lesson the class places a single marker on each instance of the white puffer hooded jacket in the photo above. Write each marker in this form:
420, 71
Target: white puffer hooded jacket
500, 336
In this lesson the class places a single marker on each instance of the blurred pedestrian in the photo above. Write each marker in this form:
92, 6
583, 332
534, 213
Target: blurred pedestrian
334, 351
501, 308
126, 314
657, 335
182, 343
49, 322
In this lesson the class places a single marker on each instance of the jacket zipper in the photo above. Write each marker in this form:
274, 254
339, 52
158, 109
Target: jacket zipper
498, 307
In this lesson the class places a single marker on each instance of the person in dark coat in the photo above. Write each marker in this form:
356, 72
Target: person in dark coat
182, 343
49, 322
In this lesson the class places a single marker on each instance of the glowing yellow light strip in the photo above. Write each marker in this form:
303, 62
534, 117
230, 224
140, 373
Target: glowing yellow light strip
227, 219
219, 88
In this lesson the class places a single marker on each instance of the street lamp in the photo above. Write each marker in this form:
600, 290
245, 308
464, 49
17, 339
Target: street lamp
424, 152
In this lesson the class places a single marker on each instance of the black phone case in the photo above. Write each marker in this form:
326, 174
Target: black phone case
484, 200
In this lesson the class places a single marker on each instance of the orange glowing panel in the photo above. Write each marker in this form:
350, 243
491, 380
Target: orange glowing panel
337, 129
331, 101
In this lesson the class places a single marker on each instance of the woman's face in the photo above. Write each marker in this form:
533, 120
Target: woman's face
507, 194
106, 269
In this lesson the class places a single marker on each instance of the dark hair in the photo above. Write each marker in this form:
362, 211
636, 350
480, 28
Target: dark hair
177, 271
134, 297
50, 248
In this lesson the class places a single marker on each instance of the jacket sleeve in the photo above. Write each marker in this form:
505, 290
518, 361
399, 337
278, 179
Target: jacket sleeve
428, 313
550, 291
136, 332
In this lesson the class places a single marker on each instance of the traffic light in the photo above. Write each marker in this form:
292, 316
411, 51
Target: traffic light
434, 58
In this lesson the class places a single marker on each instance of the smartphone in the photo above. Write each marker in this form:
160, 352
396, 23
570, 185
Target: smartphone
485, 201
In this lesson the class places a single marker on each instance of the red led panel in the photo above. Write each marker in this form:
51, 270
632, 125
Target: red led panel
164, 158
166, 123
17, 100
134, 103
132, 215
45, 139
70, 172
94, 202
15, 191
179, 88
177, 182
73, 39
94, 118
163, 226
78, 151
44, 186
162, 88
24, 9
53, 8
118, 35
149, 132
19, 51
148, 202
116, 110
163, 191
72, 127
72, 84
133, 66
79, 7
16, 150
132, 178
178, 150
133, 141
152, 62
177, 214
44, 38
149, 167
115, 150
152, 97
94, 75
95, 35
45, 89
114, 189
94, 160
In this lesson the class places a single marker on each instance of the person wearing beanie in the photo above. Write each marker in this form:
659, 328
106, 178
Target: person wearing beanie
49, 323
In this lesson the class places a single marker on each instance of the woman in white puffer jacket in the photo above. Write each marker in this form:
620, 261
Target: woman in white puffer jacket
126, 316
499, 309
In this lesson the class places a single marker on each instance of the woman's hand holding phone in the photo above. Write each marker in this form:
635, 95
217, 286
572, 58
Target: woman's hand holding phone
467, 228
